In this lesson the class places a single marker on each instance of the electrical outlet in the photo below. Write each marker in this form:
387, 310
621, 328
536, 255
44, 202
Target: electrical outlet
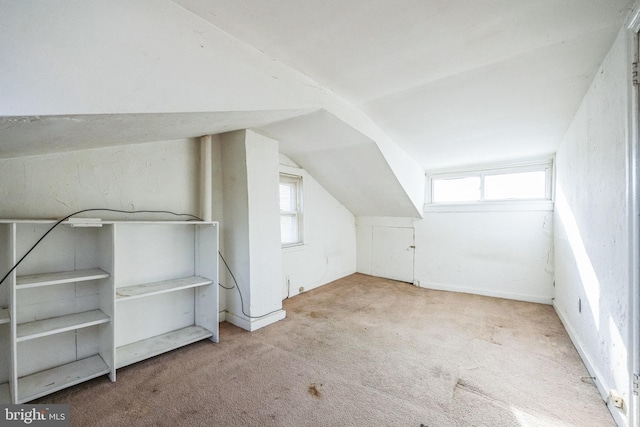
616, 399
301, 289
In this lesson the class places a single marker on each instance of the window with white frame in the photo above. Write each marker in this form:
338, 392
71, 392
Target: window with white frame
290, 210
528, 182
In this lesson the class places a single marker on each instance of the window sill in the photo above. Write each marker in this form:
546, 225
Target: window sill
294, 247
510, 206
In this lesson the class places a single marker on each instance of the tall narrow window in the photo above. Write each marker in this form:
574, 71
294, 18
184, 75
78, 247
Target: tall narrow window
290, 210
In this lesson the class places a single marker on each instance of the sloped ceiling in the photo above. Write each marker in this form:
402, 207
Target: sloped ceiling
365, 94
24, 136
451, 81
328, 148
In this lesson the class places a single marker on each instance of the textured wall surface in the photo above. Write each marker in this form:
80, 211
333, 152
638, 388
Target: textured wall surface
501, 254
591, 227
155, 176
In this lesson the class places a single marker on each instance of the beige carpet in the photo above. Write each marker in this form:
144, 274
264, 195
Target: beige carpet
361, 351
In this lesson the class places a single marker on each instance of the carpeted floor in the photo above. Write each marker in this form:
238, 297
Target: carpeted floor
361, 351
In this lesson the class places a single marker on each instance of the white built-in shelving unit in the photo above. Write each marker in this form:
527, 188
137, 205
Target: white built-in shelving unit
90, 299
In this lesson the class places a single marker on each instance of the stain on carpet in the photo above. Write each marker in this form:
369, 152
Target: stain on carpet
314, 390
439, 372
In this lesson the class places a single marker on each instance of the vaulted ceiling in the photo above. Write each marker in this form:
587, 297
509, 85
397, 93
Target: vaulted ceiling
451, 81
369, 93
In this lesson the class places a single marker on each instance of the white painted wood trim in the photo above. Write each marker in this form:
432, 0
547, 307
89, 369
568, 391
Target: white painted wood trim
55, 325
141, 350
148, 289
46, 382
255, 324
602, 387
633, 209
206, 303
47, 279
204, 296
490, 206
495, 294
11, 282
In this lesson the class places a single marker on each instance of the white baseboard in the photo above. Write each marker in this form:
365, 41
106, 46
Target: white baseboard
619, 416
310, 286
254, 324
488, 293
222, 316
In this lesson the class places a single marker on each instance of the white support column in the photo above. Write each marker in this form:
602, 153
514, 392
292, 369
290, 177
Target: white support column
206, 186
252, 228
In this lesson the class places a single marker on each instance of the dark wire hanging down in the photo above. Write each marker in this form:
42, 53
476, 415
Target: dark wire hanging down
83, 211
240, 293
193, 217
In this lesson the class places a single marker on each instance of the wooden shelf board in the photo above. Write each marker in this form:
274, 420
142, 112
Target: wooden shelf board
155, 288
46, 382
141, 350
5, 394
56, 325
46, 279
4, 315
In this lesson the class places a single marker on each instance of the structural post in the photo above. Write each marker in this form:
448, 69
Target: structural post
206, 185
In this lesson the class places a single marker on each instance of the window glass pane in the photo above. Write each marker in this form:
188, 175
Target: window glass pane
290, 210
523, 185
288, 229
287, 196
456, 189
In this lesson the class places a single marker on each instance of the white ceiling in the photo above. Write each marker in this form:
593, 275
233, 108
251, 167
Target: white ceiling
32, 135
347, 163
340, 84
451, 81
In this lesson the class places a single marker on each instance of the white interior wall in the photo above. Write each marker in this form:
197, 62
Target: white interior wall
152, 176
54, 185
329, 250
252, 228
264, 223
506, 254
591, 228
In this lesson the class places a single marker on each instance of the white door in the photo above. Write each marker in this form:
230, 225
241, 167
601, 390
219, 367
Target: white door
392, 253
